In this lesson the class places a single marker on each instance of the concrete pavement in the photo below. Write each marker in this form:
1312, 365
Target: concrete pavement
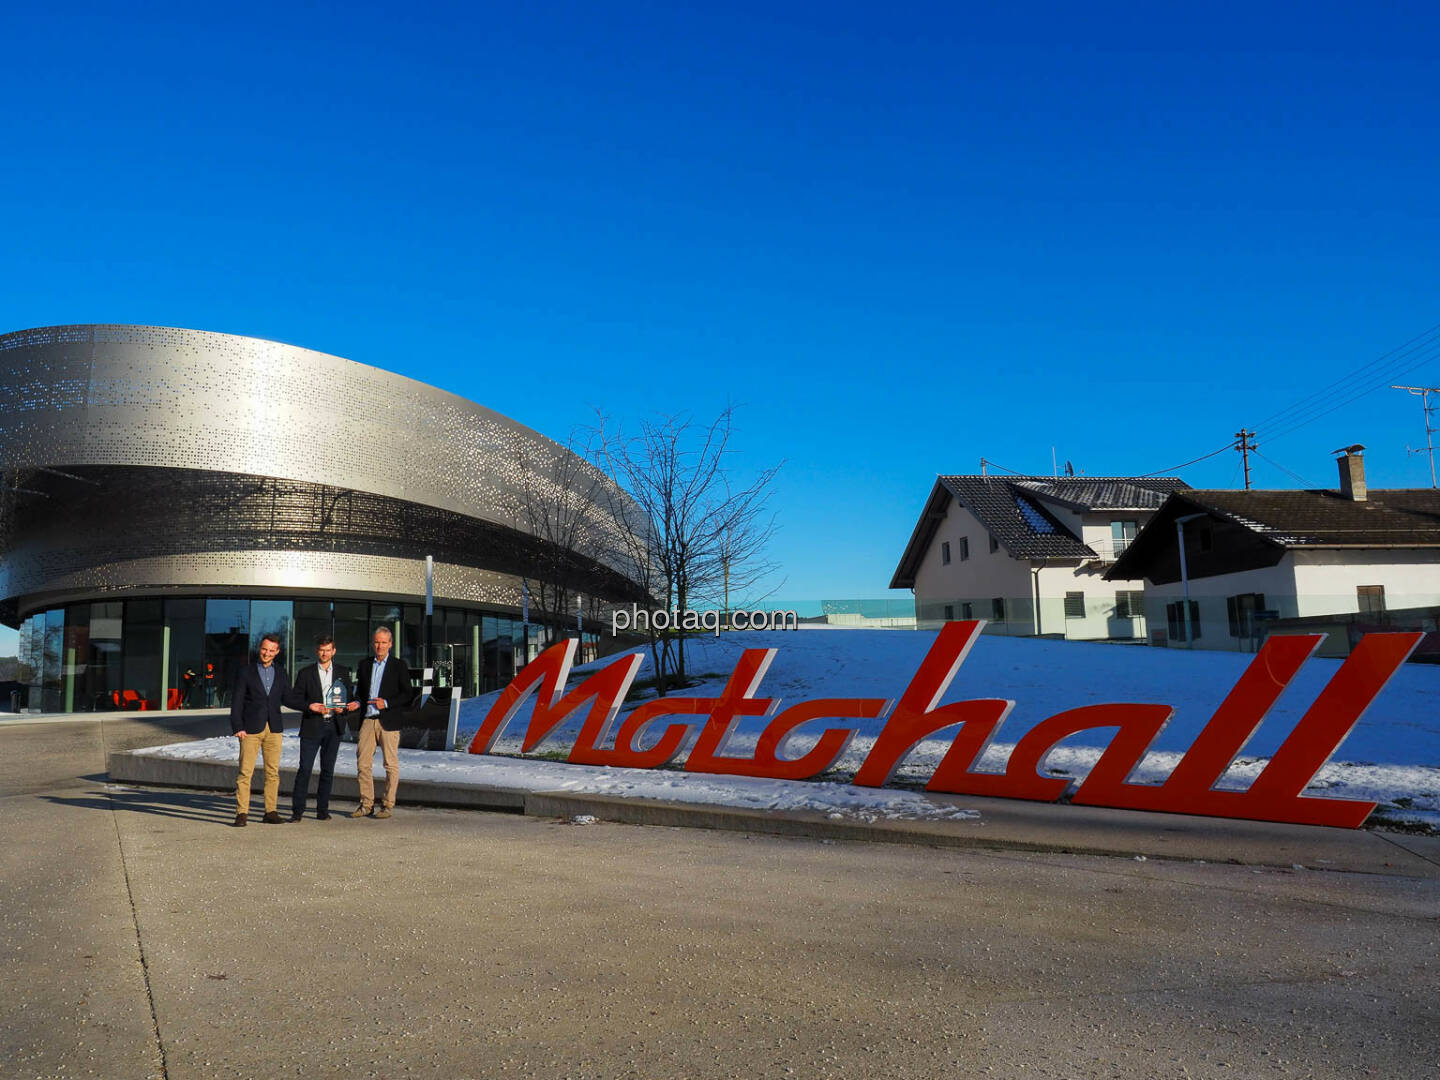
142, 937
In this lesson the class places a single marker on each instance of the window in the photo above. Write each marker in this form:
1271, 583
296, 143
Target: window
1130, 604
1207, 538
994, 544
1074, 605
949, 612
1121, 534
967, 610
1371, 599
1175, 619
964, 548
945, 553
1241, 612
997, 609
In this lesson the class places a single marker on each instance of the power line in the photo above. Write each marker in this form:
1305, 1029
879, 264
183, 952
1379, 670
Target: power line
996, 465
1325, 408
1287, 472
1186, 465
1358, 377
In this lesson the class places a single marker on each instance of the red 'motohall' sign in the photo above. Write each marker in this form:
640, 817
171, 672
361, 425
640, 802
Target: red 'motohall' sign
1275, 795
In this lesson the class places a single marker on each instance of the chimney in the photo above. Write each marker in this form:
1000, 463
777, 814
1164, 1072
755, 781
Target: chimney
1352, 472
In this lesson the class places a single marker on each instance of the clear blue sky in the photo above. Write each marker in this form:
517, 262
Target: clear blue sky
904, 236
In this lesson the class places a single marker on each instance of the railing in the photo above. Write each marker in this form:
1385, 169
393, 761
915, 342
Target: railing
1110, 549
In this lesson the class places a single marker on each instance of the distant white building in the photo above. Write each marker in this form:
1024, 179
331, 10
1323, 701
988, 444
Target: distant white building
1348, 559
1029, 553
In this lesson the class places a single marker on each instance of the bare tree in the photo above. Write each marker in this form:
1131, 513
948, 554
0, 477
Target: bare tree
703, 531
743, 528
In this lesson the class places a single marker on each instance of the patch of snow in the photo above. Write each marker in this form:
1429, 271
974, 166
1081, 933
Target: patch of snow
1392, 757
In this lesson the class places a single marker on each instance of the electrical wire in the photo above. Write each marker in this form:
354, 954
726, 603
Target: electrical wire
1002, 468
1186, 465
1419, 357
1287, 472
1359, 377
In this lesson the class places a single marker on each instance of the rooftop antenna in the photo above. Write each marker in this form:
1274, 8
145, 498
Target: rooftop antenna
1423, 393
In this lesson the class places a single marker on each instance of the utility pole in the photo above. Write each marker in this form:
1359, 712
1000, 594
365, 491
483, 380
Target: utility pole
1424, 392
982, 468
1244, 445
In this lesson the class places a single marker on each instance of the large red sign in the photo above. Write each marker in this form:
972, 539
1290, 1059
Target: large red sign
1275, 795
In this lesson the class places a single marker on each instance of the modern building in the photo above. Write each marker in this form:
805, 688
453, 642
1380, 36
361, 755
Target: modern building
170, 495
1030, 553
1346, 561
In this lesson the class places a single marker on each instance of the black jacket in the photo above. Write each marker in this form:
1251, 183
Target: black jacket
251, 709
307, 692
395, 688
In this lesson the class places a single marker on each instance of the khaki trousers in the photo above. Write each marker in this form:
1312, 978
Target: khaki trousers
267, 743
371, 733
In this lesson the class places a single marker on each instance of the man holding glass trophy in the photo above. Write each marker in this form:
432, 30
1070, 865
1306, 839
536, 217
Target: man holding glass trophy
324, 695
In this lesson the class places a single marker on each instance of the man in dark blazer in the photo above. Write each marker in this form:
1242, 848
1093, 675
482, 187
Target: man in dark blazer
321, 725
382, 682
255, 699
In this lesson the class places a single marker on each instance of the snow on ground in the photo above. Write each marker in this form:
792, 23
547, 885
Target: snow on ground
834, 799
1391, 757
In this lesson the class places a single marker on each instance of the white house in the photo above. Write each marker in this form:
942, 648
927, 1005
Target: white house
1029, 553
1256, 560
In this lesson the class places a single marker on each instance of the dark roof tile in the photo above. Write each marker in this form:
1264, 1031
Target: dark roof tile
1013, 510
1388, 518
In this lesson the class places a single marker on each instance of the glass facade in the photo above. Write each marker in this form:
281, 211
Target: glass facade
183, 652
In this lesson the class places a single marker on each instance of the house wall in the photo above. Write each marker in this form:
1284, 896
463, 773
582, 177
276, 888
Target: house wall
1304, 583
986, 575
1326, 580
1099, 621
976, 580
1277, 583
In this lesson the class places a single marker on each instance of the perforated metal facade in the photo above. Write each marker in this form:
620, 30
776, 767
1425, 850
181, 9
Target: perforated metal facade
144, 460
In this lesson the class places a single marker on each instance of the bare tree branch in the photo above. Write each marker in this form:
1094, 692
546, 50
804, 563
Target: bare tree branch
703, 535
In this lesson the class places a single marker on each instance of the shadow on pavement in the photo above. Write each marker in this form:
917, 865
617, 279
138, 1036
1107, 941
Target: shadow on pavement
188, 805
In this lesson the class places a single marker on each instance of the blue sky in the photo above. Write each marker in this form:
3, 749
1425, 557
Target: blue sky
901, 236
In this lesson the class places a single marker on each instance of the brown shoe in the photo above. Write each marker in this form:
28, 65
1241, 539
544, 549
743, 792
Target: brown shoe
239, 821
361, 811
272, 818
383, 812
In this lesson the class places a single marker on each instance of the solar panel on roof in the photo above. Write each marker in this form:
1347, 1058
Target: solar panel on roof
1033, 517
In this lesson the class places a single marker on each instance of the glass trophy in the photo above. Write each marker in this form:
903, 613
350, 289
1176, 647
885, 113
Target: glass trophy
336, 699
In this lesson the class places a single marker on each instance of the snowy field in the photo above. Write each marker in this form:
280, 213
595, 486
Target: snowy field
1392, 757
